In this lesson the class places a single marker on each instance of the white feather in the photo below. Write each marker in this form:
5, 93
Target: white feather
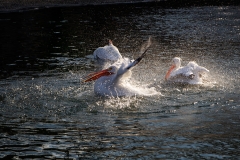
107, 53
189, 74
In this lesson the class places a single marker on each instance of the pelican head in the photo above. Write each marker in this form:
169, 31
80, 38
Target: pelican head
113, 80
106, 72
120, 69
176, 63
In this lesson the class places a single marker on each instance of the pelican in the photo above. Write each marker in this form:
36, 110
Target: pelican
108, 53
115, 80
189, 74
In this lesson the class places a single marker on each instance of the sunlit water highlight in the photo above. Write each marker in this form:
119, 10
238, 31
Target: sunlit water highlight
50, 114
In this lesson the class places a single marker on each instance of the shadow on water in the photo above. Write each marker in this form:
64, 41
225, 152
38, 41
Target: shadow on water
45, 112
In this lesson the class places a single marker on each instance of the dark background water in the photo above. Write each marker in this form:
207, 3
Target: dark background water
73, 32
27, 37
45, 112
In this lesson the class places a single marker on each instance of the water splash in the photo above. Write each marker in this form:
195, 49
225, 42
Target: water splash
146, 45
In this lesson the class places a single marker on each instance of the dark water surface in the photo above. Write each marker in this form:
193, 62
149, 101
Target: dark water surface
46, 113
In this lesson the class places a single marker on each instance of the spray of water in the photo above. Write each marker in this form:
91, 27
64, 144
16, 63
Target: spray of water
146, 45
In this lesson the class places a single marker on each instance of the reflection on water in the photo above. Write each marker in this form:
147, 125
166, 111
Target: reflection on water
47, 113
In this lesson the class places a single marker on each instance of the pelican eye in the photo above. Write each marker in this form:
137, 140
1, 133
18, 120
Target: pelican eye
110, 68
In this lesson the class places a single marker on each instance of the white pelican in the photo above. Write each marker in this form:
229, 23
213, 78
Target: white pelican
189, 74
115, 80
108, 53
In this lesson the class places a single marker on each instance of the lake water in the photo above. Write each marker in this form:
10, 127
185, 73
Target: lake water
46, 113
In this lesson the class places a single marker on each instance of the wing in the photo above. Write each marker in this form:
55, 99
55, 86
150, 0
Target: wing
127, 64
189, 74
108, 52
196, 68
182, 72
182, 75
201, 69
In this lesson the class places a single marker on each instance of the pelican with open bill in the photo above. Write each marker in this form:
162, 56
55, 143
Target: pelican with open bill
112, 81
